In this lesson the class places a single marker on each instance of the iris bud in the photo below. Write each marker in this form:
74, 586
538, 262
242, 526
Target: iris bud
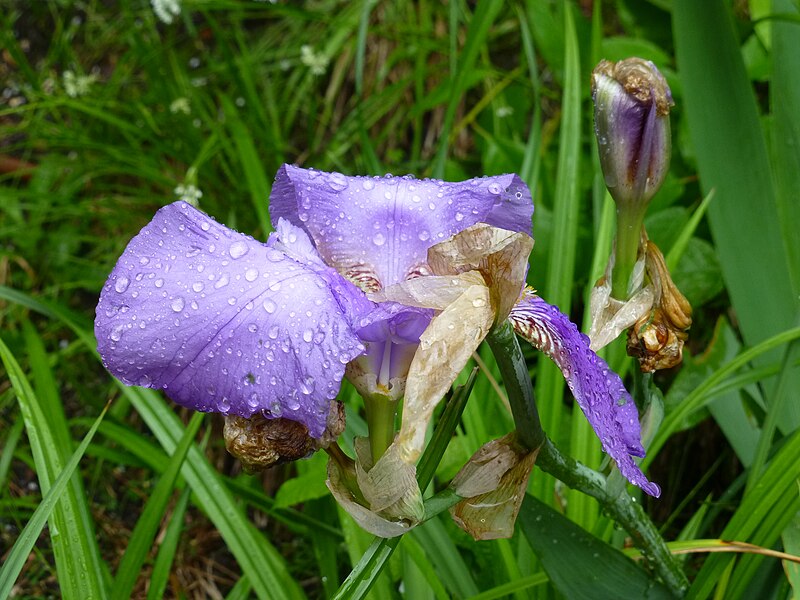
631, 113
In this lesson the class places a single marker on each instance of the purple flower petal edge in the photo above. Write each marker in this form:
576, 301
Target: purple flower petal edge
597, 389
224, 323
377, 230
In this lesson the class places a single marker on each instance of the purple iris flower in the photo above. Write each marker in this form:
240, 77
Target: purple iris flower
224, 323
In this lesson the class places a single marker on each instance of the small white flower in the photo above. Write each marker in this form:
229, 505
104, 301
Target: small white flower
166, 10
189, 194
504, 111
317, 63
180, 105
77, 85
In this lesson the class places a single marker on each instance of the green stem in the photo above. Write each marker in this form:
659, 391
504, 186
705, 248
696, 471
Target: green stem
505, 347
381, 411
629, 235
621, 507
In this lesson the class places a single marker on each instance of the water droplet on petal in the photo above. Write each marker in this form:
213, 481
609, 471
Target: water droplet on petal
197, 286
177, 304
238, 249
368, 184
158, 283
251, 274
116, 333
122, 284
222, 282
379, 239
205, 226
308, 335
337, 182
269, 306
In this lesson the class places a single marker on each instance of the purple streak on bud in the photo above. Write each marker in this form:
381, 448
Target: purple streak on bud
631, 112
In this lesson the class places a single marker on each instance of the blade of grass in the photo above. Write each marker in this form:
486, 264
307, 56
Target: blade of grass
144, 533
12, 439
81, 572
482, 19
561, 268
761, 516
169, 547
785, 101
724, 122
22, 547
258, 559
700, 396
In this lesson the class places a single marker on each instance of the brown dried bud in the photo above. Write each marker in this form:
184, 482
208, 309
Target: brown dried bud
657, 339
260, 443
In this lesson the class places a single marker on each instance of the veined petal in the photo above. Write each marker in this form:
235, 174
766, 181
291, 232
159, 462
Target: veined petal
224, 323
378, 229
597, 389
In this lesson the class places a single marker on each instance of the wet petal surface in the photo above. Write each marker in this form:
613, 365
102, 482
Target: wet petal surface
224, 323
597, 389
377, 230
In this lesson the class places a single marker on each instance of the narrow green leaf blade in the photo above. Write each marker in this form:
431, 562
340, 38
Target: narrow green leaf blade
22, 547
732, 158
594, 570
146, 527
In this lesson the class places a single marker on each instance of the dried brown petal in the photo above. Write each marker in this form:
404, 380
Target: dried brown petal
260, 443
657, 339
498, 476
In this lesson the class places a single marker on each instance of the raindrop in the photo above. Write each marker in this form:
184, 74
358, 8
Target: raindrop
252, 401
158, 283
122, 284
198, 286
495, 188
177, 304
424, 235
269, 306
379, 239
224, 405
238, 249
116, 332
459, 216
275, 286
251, 274
223, 281
337, 182
252, 328
368, 184
205, 226
308, 335
144, 260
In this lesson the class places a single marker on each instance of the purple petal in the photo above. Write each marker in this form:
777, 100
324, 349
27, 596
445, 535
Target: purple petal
377, 230
224, 323
597, 389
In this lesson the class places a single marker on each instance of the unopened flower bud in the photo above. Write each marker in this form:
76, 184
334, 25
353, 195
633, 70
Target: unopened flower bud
631, 115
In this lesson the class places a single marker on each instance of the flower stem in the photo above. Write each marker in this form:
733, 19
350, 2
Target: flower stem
505, 347
381, 411
629, 235
621, 507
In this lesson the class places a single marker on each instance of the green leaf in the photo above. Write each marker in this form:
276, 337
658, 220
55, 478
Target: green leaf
785, 100
593, 570
309, 485
169, 546
265, 568
144, 533
81, 572
732, 157
16, 559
